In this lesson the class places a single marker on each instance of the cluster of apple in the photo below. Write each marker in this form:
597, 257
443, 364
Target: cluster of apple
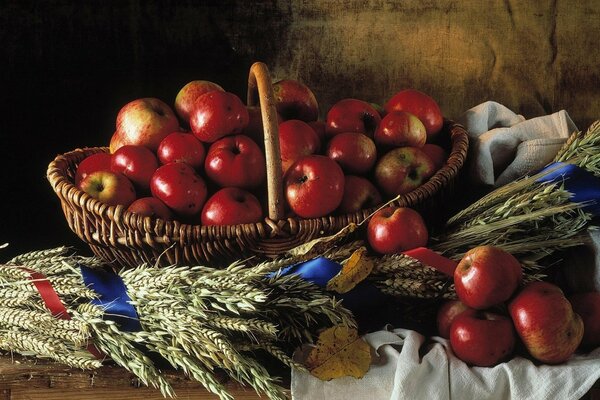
494, 309
204, 162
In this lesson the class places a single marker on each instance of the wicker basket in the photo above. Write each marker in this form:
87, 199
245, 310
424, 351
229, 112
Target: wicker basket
128, 239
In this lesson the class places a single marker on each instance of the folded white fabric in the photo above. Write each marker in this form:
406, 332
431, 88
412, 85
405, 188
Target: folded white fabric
505, 146
402, 372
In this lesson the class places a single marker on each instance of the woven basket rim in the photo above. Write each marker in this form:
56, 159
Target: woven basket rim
60, 182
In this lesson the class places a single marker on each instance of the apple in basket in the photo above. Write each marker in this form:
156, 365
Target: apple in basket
396, 229
359, 194
486, 276
92, 163
235, 161
546, 322
182, 147
151, 207
137, 163
295, 100
482, 338
187, 95
355, 152
402, 170
143, 122
231, 206
436, 153
446, 314
180, 188
421, 105
352, 115
400, 128
587, 305
109, 187
314, 186
296, 139
216, 114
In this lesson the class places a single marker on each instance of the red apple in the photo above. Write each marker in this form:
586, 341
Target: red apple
319, 128
182, 147
352, 115
92, 163
447, 313
546, 323
235, 161
151, 207
400, 128
186, 97
486, 276
359, 194
482, 338
137, 163
402, 170
296, 139
231, 206
314, 186
587, 305
180, 188
396, 229
216, 114
143, 122
421, 105
109, 187
294, 100
436, 153
355, 152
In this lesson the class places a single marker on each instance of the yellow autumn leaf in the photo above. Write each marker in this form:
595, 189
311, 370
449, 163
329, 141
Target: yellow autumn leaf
354, 271
318, 245
339, 352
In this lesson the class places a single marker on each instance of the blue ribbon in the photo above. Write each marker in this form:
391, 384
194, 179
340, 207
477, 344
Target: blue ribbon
112, 297
320, 270
582, 184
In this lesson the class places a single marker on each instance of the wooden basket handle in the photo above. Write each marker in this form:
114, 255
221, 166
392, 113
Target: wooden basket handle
260, 88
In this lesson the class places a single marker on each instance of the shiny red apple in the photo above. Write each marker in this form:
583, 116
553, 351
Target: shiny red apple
296, 139
92, 163
180, 188
295, 100
217, 114
137, 163
396, 229
109, 187
421, 105
399, 128
355, 152
487, 276
587, 305
314, 186
359, 194
151, 207
447, 313
231, 206
402, 170
352, 115
182, 147
235, 161
187, 95
546, 322
143, 122
483, 339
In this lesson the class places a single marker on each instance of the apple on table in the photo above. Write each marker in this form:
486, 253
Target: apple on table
396, 229
446, 314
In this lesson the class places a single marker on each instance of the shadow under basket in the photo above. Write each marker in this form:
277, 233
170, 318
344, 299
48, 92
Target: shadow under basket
127, 239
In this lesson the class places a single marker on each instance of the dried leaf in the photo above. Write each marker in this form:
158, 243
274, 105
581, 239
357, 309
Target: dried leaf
319, 245
339, 352
354, 271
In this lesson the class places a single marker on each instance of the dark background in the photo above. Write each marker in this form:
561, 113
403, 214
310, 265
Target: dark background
67, 68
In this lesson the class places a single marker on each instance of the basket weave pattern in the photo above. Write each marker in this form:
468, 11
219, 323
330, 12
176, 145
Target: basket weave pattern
128, 239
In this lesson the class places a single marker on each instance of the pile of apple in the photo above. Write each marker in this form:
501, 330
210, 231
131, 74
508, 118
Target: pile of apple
494, 310
203, 162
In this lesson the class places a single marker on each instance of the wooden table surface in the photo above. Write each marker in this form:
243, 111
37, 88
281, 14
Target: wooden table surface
30, 379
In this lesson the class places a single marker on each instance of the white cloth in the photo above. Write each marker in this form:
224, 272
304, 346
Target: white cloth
401, 372
505, 146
